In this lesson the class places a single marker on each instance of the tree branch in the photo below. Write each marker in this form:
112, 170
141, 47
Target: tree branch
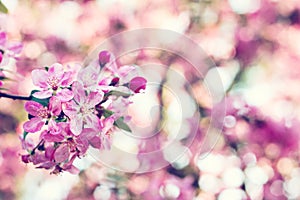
14, 97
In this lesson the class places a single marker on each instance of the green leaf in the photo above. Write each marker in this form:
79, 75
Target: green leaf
119, 94
44, 102
3, 8
121, 124
107, 113
24, 135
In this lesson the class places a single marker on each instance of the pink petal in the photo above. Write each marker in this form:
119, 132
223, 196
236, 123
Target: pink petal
76, 125
16, 48
38, 158
54, 128
89, 76
33, 125
65, 95
67, 79
61, 154
70, 109
39, 78
47, 165
1, 58
92, 121
55, 106
43, 94
94, 98
49, 152
88, 133
125, 70
2, 38
33, 107
79, 94
56, 70
73, 170
82, 145
107, 124
137, 83
48, 137
95, 142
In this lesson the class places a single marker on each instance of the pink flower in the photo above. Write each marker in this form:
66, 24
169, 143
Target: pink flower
137, 83
51, 81
125, 73
8, 49
81, 110
89, 77
41, 114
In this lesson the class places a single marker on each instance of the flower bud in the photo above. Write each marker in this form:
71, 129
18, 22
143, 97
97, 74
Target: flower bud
25, 158
137, 83
104, 58
114, 81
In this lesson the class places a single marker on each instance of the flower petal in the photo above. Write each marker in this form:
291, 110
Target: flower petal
76, 125
33, 107
43, 94
65, 95
79, 94
2, 38
33, 125
89, 76
137, 83
95, 142
94, 98
56, 70
88, 133
123, 71
62, 153
67, 79
55, 106
70, 109
107, 124
39, 78
92, 121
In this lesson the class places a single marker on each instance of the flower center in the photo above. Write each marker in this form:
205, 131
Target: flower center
53, 82
43, 112
85, 110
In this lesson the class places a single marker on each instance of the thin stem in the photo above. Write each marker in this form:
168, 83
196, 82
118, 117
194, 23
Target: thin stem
14, 97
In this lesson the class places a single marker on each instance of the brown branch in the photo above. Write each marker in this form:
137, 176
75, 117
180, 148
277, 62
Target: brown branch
14, 97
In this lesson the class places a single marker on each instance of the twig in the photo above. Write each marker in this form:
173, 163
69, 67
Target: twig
14, 97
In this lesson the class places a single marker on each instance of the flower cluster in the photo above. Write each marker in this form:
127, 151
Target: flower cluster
70, 114
7, 50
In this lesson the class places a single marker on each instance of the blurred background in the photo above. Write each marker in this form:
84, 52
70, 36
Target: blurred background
255, 45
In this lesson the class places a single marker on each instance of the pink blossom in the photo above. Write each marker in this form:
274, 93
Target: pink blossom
51, 81
89, 77
125, 73
8, 49
41, 114
137, 83
81, 110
